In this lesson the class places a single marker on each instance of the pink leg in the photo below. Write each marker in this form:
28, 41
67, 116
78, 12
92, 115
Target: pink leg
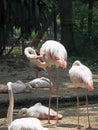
89, 126
57, 90
78, 108
50, 94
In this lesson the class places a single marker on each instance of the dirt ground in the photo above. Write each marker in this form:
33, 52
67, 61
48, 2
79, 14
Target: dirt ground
17, 68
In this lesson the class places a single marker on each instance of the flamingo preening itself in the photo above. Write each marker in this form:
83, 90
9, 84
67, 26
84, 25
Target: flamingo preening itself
37, 69
52, 53
39, 111
81, 76
23, 123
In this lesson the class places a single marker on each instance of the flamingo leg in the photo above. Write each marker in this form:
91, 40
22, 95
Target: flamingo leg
78, 108
57, 90
50, 93
89, 126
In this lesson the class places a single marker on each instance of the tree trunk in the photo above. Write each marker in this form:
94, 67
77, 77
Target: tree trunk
90, 16
55, 24
65, 8
40, 34
14, 44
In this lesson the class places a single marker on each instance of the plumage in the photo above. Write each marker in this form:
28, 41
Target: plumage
17, 87
40, 83
23, 123
81, 76
26, 124
39, 111
52, 53
20, 87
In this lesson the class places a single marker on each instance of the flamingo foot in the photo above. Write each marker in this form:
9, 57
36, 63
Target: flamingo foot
56, 122
57, 119
50, 123
89, 128
77, 128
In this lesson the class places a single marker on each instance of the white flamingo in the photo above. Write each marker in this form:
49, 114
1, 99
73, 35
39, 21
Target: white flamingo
81, 76
23, 123
17, 87
20, 87
40, 83
39, 111
52, 53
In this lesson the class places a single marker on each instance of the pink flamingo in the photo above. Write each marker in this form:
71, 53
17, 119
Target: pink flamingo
23, 123
81, 76
39, 111
52, 53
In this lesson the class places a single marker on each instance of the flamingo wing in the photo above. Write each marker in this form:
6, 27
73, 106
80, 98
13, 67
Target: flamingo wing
81, 75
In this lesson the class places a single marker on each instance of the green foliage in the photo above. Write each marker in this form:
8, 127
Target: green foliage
25, 15
86, 45
29, 16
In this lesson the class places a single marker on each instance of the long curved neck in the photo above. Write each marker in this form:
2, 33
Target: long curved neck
41, 64
10, 108
31, 55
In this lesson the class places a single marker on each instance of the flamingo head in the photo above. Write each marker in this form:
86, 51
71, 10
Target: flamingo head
22, 113
77, 63
9, 84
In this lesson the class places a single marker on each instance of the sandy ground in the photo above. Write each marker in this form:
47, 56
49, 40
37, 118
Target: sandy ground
14, 69
69, 121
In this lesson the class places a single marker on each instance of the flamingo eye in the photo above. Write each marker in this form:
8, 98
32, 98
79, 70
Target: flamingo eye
24, 113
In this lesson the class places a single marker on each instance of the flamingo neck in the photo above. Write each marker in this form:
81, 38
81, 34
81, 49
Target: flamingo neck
10, 108
41, 64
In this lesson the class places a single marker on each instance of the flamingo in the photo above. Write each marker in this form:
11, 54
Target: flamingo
3, 88
37, 69
20, 87
40, 83
23, 123
81, 76
52, 53
39, 111
17, 87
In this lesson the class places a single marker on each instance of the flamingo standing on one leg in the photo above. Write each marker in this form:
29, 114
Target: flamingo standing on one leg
52, 53
81, 76
23, 123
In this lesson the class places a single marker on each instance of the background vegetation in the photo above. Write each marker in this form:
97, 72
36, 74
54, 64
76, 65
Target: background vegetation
72, 22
